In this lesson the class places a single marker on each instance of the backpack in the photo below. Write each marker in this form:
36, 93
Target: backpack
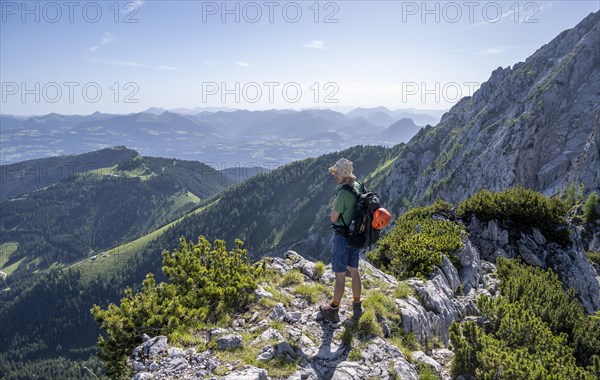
359, 232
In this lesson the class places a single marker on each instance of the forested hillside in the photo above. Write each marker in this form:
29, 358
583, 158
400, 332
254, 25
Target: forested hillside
28, 176
84, 213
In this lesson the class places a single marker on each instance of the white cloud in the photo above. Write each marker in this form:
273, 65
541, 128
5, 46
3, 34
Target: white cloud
489, 51
242, 64
131, 64
118, 63
315, 44
106, 39
503, 49
169, 68
127, 63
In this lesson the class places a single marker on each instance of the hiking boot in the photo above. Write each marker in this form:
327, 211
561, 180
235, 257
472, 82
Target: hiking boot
357, 310
329, 313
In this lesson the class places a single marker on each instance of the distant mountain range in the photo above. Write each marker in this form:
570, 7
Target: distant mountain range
222, 138
383, 116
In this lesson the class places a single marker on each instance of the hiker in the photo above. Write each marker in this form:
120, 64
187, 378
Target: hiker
343, 256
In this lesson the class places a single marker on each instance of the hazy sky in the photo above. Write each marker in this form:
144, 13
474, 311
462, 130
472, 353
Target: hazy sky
80, 57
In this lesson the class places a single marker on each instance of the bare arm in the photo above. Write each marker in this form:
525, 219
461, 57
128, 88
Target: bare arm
335, 216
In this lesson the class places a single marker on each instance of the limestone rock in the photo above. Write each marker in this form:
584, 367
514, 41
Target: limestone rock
262, 293
230, 342
278, 312
249, 373
420, 356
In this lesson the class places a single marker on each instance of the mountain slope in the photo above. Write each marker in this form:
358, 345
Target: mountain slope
100, 207
287, 207
28, 176
527, 309
536, 124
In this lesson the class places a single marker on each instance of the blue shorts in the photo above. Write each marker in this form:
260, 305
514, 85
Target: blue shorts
343, 255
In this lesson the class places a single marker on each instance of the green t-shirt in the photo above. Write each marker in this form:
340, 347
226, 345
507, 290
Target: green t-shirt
345, 202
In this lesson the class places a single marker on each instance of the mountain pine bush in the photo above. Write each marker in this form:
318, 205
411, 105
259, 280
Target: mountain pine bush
205, 284
536, 330
418, 242
590, 208
541, 292
574, 194
522, 206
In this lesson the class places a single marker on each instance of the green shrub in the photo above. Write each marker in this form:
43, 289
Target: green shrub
542, 293
313, 292
403, 291
521, 346
278, 296
354, 355
348, 335
574, 194
381, 304
406, 342
590, 208
293, 277
205, 284
368, 325
319, 269
418, 242
426, 372
277, 325
536, 330
522, 206
593, 257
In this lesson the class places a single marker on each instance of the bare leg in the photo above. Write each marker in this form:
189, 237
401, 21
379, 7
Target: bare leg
340, 285
356, 283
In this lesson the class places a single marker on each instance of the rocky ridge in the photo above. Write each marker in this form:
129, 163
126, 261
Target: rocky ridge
290, 341
536, 124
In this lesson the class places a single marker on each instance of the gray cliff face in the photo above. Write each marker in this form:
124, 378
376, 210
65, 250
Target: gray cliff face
574, 270
536, 124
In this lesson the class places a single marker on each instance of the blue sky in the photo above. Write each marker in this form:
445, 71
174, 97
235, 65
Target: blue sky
336, 54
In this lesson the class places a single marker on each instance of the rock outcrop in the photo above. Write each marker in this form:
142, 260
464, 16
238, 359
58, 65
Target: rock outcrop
291, 331
570, 263
536, 124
